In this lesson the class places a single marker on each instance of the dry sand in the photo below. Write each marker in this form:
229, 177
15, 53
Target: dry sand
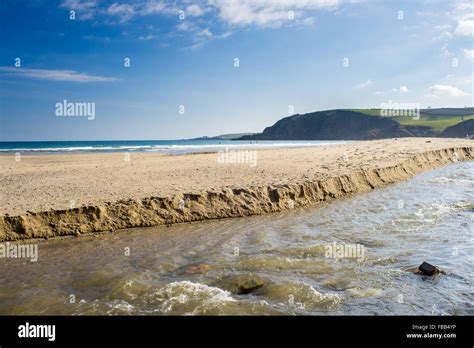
52, 195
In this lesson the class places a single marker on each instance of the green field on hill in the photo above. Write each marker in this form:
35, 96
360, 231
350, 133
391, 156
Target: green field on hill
437, 122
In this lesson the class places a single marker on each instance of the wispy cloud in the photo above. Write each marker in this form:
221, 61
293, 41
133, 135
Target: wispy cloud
461, 17
203, 20
85, 9
465, 28
469, 54
123, 11
194, 11
55, 75
268, 13
186, 26
363, 84
146, 38
446, 90
205, 35
156, 7
260, 13
403, 89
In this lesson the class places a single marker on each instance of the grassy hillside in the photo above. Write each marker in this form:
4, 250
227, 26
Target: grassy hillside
438, 121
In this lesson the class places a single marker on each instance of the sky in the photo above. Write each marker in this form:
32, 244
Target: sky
156, 69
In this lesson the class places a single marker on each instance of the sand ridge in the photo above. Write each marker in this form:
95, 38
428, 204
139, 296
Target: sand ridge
50, 195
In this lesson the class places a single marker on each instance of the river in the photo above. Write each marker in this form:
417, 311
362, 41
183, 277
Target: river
290, 260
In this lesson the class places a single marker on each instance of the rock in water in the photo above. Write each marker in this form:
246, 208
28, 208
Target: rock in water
338, 284
242, 284
428, 269
195, 268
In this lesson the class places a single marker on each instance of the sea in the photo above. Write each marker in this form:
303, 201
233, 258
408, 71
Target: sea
163, 146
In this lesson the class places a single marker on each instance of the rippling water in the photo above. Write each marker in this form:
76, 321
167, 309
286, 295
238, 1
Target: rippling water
196, 268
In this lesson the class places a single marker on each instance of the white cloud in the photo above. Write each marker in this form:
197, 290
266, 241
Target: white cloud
205, 32
469, 54
305, 22
55, 75
267, 13
465, 28
124, 11
446, 90
463, 13
403, 89
186, 26
364, 84
146, 38
444, 35
85, 9
445, 51
223, 35
194, 46
152, 7
194, 11
443, 32
465, 82
264, 13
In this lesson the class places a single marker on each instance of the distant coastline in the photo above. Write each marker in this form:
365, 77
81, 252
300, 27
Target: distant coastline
370, 124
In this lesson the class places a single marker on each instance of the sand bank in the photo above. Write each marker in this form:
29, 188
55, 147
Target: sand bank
57, 195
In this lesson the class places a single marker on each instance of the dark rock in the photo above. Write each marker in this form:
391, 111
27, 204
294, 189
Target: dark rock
196, 268
427, 269
242, 284
338, 284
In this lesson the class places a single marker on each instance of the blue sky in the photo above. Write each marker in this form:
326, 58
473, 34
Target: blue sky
291, 56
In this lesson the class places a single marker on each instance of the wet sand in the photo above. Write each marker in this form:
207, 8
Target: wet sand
61, 194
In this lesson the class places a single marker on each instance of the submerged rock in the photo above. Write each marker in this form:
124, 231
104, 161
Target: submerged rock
196, 268
242, 284
338, 284
427, 269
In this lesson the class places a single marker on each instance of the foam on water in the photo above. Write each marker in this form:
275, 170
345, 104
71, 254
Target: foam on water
186, 297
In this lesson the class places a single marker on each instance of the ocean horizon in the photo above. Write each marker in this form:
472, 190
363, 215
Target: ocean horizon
164, 146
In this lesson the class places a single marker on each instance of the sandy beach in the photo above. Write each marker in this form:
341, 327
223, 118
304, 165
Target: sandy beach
61, 194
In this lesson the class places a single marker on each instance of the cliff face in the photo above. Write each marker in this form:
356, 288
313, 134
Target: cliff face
460, 130
338, 125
